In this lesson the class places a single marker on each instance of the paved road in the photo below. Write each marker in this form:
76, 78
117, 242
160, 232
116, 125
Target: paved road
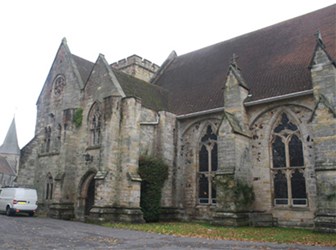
21, 232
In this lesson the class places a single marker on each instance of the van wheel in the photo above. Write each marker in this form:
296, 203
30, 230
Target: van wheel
8, 211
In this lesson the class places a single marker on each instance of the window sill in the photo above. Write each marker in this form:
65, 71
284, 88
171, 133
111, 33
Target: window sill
287, 208
205, 205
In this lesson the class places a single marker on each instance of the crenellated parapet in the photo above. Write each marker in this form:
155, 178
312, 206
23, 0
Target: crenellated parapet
137, 66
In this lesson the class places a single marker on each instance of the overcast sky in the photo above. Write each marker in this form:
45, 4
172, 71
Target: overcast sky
31, 32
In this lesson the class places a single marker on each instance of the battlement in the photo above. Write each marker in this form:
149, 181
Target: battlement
137, 66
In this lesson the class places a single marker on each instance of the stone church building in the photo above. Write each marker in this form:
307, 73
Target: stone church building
255, 114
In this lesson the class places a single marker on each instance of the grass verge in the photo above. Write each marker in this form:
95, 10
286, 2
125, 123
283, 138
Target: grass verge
203, 230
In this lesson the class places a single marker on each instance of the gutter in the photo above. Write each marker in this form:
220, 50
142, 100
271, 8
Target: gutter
278, 98
204, 112
248, 104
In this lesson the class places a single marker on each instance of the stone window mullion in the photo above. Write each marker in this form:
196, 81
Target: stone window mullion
208, 174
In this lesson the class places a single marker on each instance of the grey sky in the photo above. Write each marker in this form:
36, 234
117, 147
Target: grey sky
32, 31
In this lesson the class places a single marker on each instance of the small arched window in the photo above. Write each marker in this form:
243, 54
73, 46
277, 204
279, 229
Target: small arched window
95, 118
289, 185
47, 138
208, 164
49, 187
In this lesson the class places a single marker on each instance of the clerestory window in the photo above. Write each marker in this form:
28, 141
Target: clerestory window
287, 169
208, 163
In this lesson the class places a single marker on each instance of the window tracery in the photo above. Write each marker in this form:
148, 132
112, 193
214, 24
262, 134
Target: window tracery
59, 84
208, 164
288, 168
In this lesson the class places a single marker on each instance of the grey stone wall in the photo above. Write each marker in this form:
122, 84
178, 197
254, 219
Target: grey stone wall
190, 132
323, 74
262, 124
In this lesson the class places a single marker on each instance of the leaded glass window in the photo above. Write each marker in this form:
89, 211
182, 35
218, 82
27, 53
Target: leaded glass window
208, 164
288, 168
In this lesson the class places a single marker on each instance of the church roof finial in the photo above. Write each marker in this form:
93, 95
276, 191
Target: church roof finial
234, 61
319, 39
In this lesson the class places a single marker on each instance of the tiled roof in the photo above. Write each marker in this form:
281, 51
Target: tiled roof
84, 67
273, 61
152, 96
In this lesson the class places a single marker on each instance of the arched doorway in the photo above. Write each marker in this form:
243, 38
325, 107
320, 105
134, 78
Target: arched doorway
86, 195
89, 200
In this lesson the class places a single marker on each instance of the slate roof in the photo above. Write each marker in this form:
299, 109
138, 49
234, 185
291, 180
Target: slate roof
273, 61
84, 67
10, 144
152, 96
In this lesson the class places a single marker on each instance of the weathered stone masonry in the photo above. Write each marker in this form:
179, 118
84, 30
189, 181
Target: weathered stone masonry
248, 134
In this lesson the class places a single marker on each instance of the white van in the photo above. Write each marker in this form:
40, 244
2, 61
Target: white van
18, 200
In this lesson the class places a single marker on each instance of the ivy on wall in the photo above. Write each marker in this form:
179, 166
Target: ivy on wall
153, 172
78, 117
232, 194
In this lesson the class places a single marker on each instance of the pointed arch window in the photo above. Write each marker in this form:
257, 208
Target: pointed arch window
95, 118
49, 187
288, 170
208, 164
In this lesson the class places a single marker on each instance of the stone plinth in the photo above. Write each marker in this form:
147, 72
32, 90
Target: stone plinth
64, 211
115, 214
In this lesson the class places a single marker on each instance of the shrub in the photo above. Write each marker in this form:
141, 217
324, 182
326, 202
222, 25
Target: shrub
153, 172
78, 117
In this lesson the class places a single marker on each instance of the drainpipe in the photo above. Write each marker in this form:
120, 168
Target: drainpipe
204, 112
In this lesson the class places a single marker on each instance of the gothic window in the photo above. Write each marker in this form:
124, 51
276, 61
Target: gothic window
208, 164
59, 136
47, 138
49, 187
95, 118
288, 168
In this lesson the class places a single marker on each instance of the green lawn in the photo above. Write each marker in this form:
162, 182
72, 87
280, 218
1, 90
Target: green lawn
203, 230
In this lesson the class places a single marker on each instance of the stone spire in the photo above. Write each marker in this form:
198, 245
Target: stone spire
10, 144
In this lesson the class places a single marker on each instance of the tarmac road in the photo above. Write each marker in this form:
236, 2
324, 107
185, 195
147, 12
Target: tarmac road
21, 232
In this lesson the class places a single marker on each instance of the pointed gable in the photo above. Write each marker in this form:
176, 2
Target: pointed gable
320, 46
10, 144
235, 71
64, 62
102, 82
274, 60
